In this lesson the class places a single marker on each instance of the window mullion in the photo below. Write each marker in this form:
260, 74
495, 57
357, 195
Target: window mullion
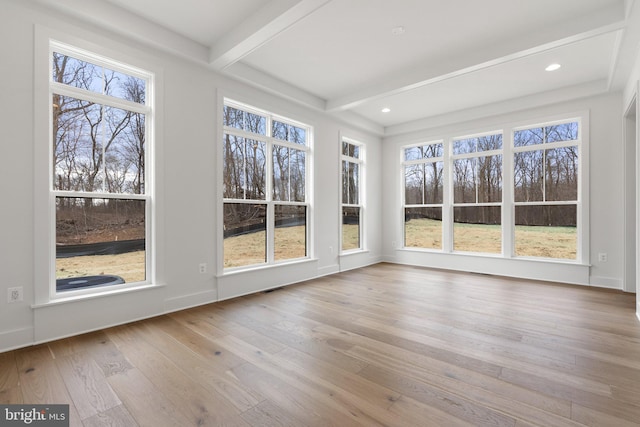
98, 98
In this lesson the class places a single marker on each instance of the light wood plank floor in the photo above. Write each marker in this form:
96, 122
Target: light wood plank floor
384, 345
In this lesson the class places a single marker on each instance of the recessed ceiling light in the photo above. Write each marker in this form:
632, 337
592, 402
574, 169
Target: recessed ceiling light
553, 67
386, 110
396, 31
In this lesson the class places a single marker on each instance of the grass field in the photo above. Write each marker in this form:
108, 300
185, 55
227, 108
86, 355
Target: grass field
250, 248
129, 266
350, 236
547, 242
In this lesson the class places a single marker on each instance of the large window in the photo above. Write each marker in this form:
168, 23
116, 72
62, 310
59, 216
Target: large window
265, 207
352, 160
423, 195
101, 196
477, 193
546, 181
516, 194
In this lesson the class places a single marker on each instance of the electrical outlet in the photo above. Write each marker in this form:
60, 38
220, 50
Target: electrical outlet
14, 295
203, 268
602, 257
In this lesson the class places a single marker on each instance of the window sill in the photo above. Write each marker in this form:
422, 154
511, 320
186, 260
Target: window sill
105, 293
496, 256
354, 252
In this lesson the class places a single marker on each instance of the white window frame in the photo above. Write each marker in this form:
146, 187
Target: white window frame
476, 154
508, 203
53, 45
270, 141
445, 193
581, 250
361, 205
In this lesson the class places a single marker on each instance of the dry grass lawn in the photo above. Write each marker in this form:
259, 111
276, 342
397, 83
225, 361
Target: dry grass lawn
350, 236
546, 242
129, 266
250, 248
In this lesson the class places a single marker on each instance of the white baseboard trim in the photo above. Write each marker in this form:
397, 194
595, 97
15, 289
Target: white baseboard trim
18, 338
184, 302
606, 282
326, 271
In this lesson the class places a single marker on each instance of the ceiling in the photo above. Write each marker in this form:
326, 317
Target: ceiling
342, 56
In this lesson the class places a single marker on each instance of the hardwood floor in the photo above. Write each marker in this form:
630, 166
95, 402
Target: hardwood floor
384, 345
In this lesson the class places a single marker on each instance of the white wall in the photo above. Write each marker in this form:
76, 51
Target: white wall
631, 92
606, 196
187, 189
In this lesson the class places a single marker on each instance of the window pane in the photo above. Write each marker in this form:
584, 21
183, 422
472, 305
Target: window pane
423, 152
350, 150
464, 185
255, 123
423, 183
477, 144
350, 228
561, 174
124, 151
413, 153
95, 78
490, 142
414, 184
546, 231
97, 148
298, 175
527, 137
288, 174
290, 232
463, 146
245, 234
77, 73
477, 229
489, 179
350, 183
233, 167
528, 176
233, 117
280, 173
423, 228
99, 242
562, 132
244, 168
79, 142
255, 172
287, 132
126, 87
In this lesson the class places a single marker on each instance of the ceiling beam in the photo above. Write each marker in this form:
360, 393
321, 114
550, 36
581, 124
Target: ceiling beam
433, 71
265, 24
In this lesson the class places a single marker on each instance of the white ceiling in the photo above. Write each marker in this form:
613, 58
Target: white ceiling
341, 55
